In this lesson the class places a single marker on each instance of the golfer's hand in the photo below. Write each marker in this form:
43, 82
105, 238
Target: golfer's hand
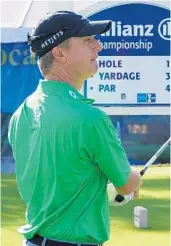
136, 193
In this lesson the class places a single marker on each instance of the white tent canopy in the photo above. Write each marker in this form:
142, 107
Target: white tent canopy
19, 17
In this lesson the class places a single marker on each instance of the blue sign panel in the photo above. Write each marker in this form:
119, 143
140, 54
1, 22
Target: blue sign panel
137, 30
20, 75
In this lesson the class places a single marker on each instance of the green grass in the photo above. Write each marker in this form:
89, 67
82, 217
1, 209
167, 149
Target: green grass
154, 195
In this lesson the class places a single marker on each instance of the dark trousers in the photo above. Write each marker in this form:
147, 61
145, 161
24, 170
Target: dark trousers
40, 241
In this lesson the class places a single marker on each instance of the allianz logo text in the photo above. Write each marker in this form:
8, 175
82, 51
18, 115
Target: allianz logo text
120, 30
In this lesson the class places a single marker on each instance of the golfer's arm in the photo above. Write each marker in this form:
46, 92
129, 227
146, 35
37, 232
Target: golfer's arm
132, 184
105, 149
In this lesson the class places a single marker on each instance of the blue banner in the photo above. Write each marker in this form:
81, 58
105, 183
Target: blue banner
138, 29
20, 75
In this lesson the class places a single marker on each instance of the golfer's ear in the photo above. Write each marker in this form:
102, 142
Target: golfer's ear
59, 55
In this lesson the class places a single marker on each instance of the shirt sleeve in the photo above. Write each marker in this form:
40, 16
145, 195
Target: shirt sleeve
105, 150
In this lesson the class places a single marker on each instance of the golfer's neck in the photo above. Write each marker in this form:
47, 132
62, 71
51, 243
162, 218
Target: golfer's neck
65, 77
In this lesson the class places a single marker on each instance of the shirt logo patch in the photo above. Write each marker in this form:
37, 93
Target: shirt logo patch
72, 94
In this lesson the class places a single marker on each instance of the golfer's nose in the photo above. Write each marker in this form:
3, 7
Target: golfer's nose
98, 46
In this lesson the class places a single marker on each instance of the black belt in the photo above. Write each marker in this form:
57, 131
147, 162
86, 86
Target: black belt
37, 240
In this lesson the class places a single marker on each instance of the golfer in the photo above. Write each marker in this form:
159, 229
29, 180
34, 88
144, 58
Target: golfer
65, 149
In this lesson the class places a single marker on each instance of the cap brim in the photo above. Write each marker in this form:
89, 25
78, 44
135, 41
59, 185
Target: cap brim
94, 28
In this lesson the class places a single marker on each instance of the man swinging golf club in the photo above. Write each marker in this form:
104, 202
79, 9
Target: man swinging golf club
65, 149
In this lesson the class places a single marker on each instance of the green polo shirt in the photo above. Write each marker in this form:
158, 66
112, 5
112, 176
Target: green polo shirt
65, 150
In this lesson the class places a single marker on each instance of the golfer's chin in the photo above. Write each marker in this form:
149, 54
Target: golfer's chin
92, 70
94, 66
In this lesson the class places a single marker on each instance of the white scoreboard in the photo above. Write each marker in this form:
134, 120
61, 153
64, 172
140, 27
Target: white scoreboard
130, 80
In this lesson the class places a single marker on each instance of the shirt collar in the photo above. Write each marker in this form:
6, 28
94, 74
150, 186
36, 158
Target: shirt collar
61, 88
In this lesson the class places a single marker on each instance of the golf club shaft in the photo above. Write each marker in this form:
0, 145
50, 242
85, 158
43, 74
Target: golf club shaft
154, 157
120, 198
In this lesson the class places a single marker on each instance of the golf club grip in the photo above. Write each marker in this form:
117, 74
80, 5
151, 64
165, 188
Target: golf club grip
142, 172
120, 198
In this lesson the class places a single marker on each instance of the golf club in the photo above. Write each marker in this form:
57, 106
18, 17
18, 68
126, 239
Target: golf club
119, 198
